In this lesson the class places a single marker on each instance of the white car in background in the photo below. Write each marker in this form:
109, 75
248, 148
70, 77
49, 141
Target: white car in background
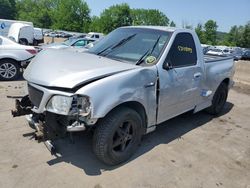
94, 35
13, 58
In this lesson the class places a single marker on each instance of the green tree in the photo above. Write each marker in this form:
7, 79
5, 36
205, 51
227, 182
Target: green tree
114, 17
149, 17
210, 32
71, 15
246, 36
238, 36
7, 9
37, 11
199, 31
95, 24
172, 24
232, 37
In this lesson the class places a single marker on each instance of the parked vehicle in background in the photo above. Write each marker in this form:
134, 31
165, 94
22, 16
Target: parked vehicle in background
13, 57
25, 34
57, 34
93, 35
227, 51
38, 36
71, 42
130, 81
80, 36
217, 52
5, 25
205, 48
246, 55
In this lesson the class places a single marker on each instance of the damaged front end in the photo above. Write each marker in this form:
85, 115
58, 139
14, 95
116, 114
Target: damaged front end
62, 115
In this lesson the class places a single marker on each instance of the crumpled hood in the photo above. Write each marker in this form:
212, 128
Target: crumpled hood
66, 69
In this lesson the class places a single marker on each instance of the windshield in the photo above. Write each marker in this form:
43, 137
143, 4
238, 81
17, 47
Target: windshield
69, 41
132, 45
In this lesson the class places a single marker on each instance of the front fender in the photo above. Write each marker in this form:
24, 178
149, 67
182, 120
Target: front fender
137, 85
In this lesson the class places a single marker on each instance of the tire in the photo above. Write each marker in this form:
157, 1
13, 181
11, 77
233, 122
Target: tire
35, 42
219, 100
117, 136
9, 70
23, 41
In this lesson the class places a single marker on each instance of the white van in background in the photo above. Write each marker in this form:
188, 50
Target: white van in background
25, 34
5, 25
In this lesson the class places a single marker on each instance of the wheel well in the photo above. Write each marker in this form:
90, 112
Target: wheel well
10, 59
24, 39
139, 108
226, 81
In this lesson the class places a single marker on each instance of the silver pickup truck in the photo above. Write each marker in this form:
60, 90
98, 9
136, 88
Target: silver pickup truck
123, 87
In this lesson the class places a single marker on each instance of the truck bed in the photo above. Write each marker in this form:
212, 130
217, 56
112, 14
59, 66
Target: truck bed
213, 58
217, 68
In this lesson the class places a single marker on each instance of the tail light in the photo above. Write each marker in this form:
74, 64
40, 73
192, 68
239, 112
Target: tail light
31, 51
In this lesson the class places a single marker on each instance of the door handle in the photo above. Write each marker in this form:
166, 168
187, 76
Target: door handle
197, 75
149, 84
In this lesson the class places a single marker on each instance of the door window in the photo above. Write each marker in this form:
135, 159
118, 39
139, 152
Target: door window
183, 51
80, 43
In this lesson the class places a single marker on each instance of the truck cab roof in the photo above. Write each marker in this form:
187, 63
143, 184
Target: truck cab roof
162, 28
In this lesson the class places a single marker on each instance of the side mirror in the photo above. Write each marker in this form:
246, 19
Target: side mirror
167, 66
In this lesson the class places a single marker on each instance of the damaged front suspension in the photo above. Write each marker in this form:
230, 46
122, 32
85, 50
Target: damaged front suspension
23, 107
48, 126
36, 122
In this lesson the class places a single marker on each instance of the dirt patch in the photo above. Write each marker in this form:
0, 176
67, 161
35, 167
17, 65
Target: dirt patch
242, 88
48, 40
242, 72
242, 77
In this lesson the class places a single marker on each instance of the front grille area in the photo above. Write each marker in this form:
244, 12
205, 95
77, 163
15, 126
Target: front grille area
35, 95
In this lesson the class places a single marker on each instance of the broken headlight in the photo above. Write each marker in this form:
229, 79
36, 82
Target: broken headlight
64, 105
81, 105
59, 104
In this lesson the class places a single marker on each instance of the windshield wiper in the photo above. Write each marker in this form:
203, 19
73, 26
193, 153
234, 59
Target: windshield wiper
120, 43
141, 59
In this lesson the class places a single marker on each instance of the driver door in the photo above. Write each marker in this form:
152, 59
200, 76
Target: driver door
180, 80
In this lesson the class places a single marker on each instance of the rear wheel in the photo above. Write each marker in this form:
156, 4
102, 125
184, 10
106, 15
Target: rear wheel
117, 136
35, 42
23, 41
219, 99
9, 70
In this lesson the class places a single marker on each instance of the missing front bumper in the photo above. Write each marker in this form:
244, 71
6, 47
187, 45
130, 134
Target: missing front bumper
22, 107
48, 126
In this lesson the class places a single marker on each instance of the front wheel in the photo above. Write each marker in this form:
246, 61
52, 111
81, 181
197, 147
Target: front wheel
219, 100
117, 136
9, 70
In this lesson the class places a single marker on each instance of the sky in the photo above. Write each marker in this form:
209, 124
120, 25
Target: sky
226, 13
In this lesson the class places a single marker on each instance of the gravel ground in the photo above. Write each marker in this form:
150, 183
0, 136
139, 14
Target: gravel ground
188, 151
